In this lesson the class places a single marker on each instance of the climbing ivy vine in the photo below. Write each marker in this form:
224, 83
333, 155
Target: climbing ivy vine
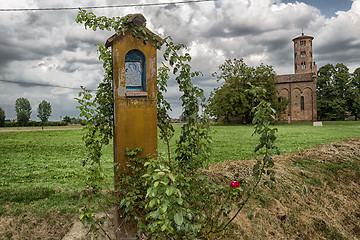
170, 196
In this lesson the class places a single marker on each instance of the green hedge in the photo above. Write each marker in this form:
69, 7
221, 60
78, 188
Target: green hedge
36, 124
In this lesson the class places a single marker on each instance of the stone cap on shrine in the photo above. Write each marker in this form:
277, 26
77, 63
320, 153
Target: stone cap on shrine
138, 20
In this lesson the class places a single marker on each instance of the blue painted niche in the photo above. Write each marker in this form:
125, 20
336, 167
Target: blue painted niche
135, 70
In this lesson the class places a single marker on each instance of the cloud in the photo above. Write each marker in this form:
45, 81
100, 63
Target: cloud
338, 39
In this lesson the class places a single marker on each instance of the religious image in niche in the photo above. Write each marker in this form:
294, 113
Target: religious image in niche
133, 74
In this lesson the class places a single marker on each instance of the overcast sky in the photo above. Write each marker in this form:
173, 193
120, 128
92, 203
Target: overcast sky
49, 48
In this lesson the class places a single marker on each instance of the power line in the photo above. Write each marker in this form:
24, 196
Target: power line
99, 7
38, 84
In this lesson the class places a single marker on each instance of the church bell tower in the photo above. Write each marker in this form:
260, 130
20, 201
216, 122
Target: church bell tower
303, 57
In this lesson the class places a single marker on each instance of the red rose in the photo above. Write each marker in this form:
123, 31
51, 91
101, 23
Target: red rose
234, 184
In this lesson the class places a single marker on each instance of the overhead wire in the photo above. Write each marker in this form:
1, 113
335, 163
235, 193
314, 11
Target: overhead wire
102, 7
40, 84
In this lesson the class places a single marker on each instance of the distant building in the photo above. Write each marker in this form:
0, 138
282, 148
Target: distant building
300, 88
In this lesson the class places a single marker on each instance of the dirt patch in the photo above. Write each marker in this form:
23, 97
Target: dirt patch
29, 227
80, 232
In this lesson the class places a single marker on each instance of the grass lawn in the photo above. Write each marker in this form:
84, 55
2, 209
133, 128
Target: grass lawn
41, 172
234, 142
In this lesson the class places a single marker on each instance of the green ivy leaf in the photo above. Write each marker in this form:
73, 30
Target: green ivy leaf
163, 227
179, 219
179, 201
152, 203
169, 191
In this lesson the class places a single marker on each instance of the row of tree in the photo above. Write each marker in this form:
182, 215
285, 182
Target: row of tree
73, 120
338, 92
23, 112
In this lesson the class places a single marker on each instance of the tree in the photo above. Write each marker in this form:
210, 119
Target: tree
231, 100
67, 119
44, 112
353, 99
332, 91
23, 111
2, 117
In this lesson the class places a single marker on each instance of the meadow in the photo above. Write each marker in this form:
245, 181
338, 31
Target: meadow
42, 174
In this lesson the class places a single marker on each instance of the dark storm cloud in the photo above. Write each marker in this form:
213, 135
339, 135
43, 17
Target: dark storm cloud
32, 18
336, 46
75, 41
8, 54
171, 7
227, 30
87, 61
69, 68
15, 47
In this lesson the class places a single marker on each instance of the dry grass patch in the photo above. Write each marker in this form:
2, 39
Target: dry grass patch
316, 196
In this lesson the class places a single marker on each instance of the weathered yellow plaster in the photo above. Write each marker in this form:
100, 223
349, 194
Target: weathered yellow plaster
135, 113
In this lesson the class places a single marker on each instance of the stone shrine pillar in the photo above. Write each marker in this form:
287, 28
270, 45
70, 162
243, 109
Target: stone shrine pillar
135, 100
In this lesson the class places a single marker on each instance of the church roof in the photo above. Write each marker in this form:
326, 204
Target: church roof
303, 37
291, 78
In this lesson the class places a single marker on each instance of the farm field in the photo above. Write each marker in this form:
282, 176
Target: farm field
42, 177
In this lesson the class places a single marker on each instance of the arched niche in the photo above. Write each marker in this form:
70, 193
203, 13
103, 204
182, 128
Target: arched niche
135, 70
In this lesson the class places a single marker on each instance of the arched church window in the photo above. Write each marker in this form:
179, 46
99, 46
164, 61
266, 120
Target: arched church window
135, 70
302, 103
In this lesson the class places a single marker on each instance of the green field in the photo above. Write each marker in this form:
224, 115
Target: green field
42, 173
237, 143
54, 158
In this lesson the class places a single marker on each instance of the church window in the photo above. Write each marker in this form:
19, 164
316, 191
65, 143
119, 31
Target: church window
310, 65
302, 103
302, 42
303, 54
303, 66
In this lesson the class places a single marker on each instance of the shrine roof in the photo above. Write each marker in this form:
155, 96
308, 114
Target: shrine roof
138, 20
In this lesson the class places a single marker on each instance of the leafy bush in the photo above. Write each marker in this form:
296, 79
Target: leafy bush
2, 117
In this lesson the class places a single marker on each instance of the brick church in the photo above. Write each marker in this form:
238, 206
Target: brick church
300, 88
